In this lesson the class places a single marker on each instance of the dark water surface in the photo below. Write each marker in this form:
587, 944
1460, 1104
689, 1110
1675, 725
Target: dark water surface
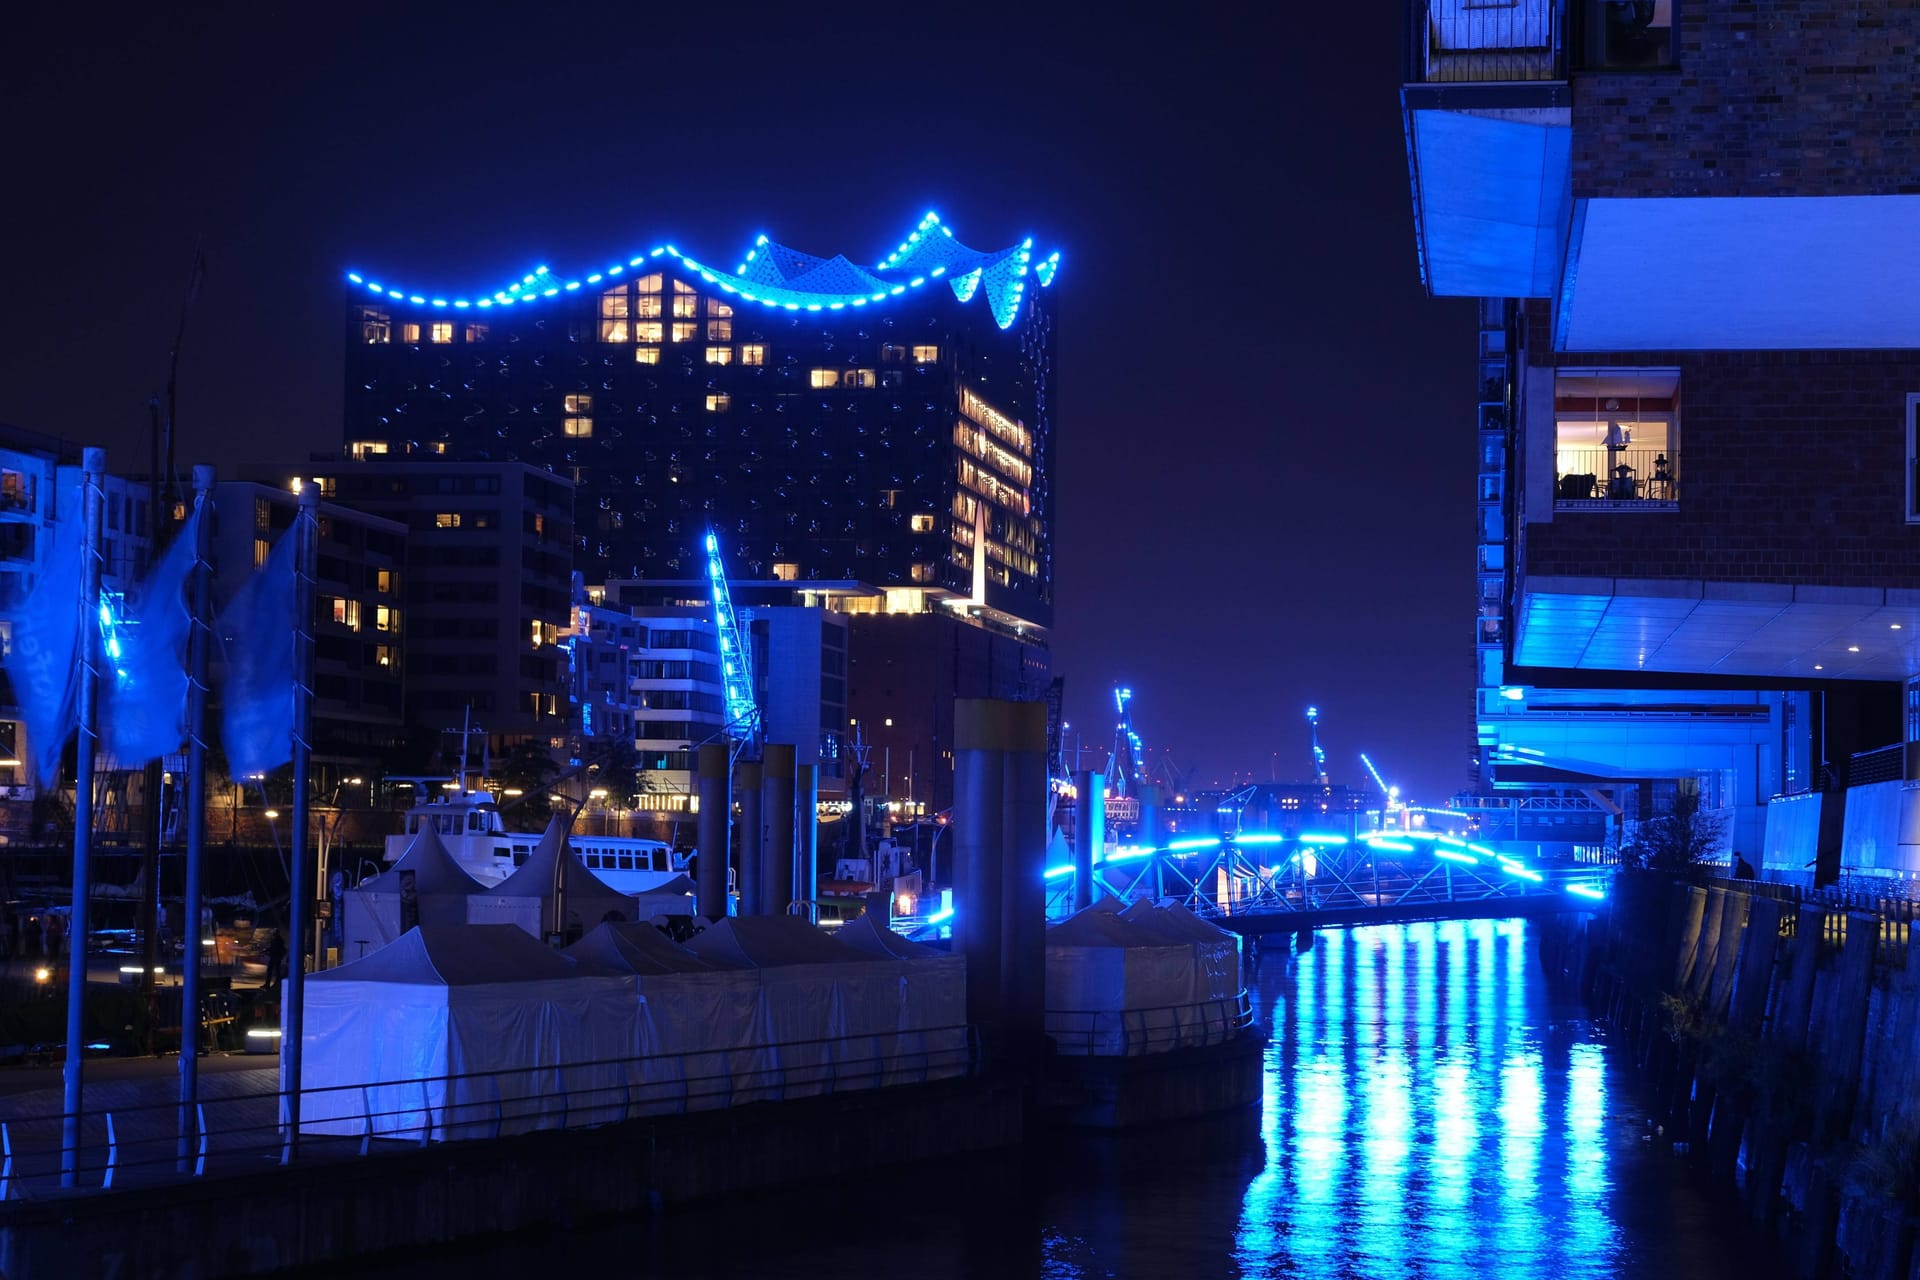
1430, 1110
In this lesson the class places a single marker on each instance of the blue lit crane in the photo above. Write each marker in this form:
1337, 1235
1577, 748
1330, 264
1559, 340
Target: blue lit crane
1123, 767
1313, 737
736, 659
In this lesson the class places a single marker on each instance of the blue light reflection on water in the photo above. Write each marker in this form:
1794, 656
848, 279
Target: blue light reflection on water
1429, 1110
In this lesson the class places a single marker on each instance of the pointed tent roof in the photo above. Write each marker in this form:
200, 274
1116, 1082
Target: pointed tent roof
434, 869
455, 956
634, 948
1190, 926
866, 934
1097, 926
758, 942
554, 863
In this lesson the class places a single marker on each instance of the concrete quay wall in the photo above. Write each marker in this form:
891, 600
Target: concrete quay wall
1782, 1038
316, 1214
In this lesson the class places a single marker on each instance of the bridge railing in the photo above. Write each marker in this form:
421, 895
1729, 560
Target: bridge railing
238, 1131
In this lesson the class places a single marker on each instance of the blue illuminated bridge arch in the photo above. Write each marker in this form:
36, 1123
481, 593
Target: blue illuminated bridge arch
781, 278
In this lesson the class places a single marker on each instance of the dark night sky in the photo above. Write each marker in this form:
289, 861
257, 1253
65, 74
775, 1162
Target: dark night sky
1264, 446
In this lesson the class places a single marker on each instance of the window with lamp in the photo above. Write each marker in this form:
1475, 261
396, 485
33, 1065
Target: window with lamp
1616, 439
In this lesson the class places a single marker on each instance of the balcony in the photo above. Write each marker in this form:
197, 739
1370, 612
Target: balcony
1489, 144
1598, 478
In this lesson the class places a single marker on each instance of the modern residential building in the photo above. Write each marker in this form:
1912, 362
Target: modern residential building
890, 424
359, 660
485, 593
1691, 226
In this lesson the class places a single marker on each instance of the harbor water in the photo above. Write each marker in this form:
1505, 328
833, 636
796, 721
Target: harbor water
1432, 1108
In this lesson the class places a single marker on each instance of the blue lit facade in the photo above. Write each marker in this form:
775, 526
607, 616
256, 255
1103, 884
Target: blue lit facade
890, 424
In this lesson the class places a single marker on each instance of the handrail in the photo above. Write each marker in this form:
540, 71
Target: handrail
584, 1094
1140, 1031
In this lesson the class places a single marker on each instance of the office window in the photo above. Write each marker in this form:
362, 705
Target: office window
925, 355
580, 428
646, 355
921, 523
376, 326
649, 331
719, 403
719, 331
409, 333
615, 308
579, 404
786, 571
719, 355
826, 377
685, 332
859, 378
261, 550
361, 450
476, 333
753, 353
442, 331
446, 520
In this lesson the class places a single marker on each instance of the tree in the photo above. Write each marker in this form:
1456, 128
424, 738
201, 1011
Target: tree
1681, 838
528, 768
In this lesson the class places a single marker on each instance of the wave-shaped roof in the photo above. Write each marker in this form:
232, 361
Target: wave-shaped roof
777, 276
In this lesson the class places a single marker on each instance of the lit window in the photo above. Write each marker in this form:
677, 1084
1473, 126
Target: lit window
446, 520
261, 550
613, 314
375, 325
754, 354
925, 355
719, 355
646, 355
648, 284
442, 331
360, 450
647, 306
858, 378
476, 333
719, 403
719, 331
685, 305
409, 333
580, 427
922, 524
384, 655
685, 332
786, 571
386, 619
579, 404
645, 331
680, 286
922, 572
347, 612
826, 377
383, 581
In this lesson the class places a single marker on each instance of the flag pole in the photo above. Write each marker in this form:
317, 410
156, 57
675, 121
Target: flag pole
199, 643
300, 894
93, 466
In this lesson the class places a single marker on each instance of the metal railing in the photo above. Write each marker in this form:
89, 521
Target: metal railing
1105, 1033
1884, 764
139, 1145
1893, 904
1598, 474
1485, 41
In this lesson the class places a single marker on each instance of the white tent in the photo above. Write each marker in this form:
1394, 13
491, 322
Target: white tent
924, 1034
814, 993
1214, 981
1114, 987
375, 912
700, 1029
463, 1031
527, 898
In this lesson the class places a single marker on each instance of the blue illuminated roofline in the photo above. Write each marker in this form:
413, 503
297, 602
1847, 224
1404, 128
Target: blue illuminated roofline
922, 259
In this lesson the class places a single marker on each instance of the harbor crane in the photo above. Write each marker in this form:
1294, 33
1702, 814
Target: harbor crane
1313, 737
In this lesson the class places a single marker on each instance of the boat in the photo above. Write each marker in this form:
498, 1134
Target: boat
471, 826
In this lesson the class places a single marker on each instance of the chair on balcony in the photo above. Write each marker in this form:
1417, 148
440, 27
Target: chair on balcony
1573, 487
1623, 484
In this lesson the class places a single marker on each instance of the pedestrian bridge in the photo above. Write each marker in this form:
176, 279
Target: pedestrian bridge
1266, 883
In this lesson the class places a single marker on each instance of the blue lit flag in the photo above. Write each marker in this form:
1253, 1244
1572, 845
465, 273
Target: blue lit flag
144, 684
257, 700
44, 662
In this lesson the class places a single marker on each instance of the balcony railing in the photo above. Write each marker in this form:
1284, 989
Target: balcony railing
1486, 41
1598, 477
